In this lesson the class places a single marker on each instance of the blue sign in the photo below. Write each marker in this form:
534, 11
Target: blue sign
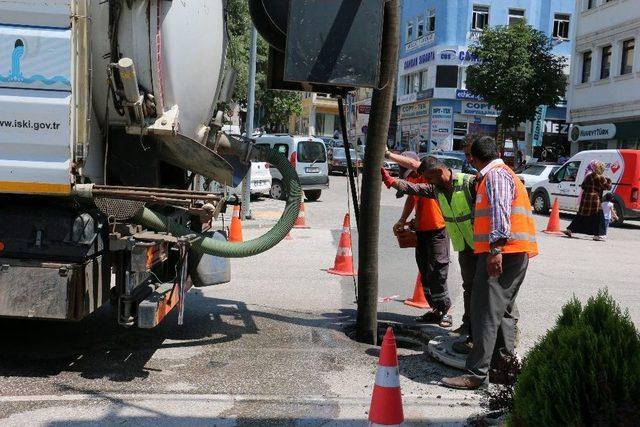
418, 60
465, 94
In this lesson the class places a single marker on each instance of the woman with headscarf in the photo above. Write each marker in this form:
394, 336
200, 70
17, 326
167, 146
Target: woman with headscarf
590, 219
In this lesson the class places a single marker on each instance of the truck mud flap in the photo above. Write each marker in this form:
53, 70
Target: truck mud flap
45, 290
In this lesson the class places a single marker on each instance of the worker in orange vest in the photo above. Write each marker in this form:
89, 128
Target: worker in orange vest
504, 239
432, 251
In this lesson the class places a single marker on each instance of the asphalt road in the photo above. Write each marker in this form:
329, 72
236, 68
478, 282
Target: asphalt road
269, 348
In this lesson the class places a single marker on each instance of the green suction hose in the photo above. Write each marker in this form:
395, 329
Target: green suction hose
154, 221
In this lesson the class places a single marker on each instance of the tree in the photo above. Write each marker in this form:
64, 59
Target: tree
516, 72
278, 105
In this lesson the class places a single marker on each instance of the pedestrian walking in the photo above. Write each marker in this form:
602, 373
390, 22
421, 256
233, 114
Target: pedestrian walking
455, 195
590, 219
432, 250
504, 240
608, 212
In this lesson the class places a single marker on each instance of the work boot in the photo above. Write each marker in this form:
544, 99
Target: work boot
463, 382
462, 346
462, 330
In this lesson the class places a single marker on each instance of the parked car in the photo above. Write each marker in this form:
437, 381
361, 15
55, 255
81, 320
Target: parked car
338, 162
621, 166
308, 156
260, 180
533, 173
392, 167
466, 168
453, 163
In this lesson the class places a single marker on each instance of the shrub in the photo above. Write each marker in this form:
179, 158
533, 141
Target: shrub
584, 372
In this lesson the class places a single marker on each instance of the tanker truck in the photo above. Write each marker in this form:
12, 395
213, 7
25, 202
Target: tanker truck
110, 141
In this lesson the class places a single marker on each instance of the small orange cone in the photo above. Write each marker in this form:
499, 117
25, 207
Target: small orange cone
235, 231
343, 265
553, 227
301, 220
418, 299
386, 402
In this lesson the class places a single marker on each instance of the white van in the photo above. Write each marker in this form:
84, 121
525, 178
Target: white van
308, 156
622, 166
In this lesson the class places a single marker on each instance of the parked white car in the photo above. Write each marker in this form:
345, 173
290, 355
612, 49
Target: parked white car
534, 173
308, 155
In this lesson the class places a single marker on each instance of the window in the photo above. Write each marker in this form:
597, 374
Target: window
282, 149
415, 82
311, 151
423, 80
628, 47
605, 63
586, 67
515, 16
591, 4
431, 20
561, 26
480, 17
568, 172
447, 76
406, 80
420, 25
409, 31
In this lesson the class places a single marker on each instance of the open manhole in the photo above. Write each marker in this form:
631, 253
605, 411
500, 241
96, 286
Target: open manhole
412, 338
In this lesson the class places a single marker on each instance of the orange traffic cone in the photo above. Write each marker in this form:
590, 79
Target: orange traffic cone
235, 231
553, 227
418, 299
386, 402
301, 221
343, 265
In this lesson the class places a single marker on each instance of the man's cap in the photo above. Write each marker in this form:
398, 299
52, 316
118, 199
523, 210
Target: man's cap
404, 172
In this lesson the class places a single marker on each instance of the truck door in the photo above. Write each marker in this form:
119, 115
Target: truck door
568, 189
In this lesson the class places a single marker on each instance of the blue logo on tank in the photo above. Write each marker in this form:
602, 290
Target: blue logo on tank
15, 74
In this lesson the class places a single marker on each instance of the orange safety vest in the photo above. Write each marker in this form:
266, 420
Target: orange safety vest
523, 229
428, 213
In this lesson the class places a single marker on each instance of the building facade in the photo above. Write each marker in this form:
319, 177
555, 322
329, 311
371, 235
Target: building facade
604, 93
435, 111
320, 116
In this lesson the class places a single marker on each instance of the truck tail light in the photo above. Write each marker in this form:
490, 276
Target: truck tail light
634, 194
267, 165
292, 159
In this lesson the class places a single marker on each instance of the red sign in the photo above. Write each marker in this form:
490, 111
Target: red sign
364, 109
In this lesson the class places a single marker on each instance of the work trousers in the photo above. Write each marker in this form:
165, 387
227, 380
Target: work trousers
494, 313
432, 257
468, 260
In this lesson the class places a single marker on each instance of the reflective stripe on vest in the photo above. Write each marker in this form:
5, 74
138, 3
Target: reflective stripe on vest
457, 215
523, 230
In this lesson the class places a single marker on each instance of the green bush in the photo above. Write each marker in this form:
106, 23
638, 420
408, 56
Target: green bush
584, 372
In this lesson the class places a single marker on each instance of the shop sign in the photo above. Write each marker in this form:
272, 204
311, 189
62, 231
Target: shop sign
407, 99
442, 128
593, 132
414, 110
464, 94
558, 128
537, 127
424, 94
426, 40
364, 109
414, 61
478, 108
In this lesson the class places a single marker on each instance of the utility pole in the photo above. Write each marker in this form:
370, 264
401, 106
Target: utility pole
381, 104
251, 101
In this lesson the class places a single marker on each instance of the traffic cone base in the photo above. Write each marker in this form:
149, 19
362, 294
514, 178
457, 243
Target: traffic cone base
418, 299
386, 401
553, 227
235, 231
343, 265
